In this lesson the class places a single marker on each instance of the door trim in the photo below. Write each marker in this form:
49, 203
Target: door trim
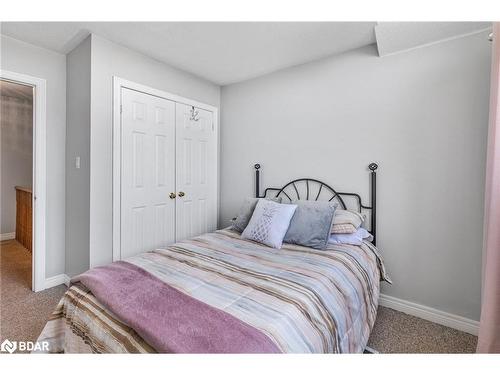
118, 84
39, 188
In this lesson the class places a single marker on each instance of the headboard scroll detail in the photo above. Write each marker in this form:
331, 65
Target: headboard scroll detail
313, 189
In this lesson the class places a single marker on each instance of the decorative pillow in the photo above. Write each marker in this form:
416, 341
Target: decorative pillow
355, 238
311, 224
347, 221
269, 223
246, 211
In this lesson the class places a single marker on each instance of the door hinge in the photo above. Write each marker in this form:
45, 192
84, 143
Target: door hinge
121, 109
213, 128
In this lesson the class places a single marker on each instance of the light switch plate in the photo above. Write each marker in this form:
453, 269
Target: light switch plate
77, 162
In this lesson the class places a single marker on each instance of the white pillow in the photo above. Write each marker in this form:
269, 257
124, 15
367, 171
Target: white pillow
355, 238
269, 223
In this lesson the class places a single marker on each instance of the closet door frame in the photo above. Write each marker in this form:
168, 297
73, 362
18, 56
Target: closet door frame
118, 84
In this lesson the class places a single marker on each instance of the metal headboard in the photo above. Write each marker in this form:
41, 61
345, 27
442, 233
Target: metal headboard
291, 192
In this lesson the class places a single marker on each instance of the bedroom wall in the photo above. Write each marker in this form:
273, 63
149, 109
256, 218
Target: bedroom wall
108, 60
422, 115
78, 145
28, 59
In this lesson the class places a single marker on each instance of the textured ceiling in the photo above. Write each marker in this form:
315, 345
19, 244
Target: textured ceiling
221, 52
229, 52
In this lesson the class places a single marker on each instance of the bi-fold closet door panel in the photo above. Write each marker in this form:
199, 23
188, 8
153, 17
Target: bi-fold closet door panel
147, 172
196, 171
168, 172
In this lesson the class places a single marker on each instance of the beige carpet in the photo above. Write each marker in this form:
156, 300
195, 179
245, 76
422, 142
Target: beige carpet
395, 332
24, 313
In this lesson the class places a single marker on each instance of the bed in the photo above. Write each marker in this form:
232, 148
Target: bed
219, 293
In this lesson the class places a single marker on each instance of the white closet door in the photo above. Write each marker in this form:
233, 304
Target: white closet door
196, 172
147, 172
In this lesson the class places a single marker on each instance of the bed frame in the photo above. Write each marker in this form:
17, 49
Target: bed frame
314, 189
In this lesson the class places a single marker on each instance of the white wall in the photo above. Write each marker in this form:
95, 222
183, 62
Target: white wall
421, 115
25, 58
78, 145
16, 118
109, 59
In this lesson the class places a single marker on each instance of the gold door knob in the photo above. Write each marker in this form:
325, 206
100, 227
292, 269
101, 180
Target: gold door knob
181, 194
172, 195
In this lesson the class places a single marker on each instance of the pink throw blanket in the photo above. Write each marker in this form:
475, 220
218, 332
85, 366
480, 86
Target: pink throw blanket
169, 320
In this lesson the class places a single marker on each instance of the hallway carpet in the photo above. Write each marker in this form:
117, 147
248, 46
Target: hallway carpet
23, 313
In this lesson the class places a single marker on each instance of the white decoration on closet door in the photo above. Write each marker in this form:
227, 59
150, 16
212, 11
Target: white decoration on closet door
202, 216
138, 158
139, 110
138, 229
185, 227
196, 210
203, 162
160, 115
187, 167
163, 225
147, 173
161, 161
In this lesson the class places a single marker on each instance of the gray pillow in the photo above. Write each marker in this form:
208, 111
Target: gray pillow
241, 221
311, 224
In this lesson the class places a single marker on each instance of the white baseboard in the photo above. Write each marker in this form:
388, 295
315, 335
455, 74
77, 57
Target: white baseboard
66, 280
7, 236
55, 281
428, 313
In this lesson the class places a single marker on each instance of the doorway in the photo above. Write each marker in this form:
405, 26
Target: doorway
22, 200
16, 106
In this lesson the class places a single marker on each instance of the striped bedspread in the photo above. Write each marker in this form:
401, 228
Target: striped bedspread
303, 300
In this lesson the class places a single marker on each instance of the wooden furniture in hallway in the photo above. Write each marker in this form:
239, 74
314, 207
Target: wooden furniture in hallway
24, 216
